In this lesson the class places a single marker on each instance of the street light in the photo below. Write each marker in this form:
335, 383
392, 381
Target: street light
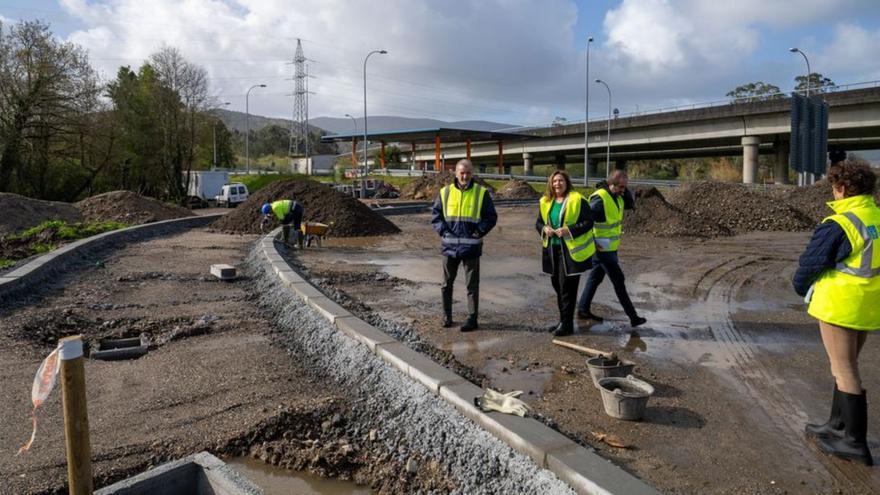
608, 151
353, 120
364, 178
802, 177
247, 123
809, 72
587, 118
224, 104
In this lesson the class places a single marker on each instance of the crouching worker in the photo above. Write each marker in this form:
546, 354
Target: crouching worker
288, 212
566, 227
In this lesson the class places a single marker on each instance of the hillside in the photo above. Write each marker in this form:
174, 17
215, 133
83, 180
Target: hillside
336, 125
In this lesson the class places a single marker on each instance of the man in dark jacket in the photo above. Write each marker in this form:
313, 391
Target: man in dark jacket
607, 205
463, 214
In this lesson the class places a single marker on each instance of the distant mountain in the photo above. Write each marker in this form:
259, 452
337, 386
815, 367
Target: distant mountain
238, 121
335, 125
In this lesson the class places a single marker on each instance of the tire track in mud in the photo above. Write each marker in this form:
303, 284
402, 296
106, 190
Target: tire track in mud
717, 288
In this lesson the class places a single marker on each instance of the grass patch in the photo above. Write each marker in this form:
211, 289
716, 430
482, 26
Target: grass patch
256, 182
6, 263
47, 236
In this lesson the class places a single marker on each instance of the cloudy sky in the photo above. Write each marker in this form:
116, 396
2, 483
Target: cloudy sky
512, 61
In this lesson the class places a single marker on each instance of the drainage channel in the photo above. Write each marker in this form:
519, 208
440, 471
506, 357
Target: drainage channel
279, 481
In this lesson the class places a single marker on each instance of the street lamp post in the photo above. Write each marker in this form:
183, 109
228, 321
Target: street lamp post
247, 123
353, 139
802, 177
364, 178
587, 118
225, 103
608, 150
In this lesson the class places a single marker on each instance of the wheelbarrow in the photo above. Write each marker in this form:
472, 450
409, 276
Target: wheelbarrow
313, 231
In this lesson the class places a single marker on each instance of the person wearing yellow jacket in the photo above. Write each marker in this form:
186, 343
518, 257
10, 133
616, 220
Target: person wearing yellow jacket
566, 229
839, 273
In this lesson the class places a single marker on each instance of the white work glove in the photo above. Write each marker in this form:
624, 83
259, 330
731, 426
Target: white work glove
263, 223
504, 403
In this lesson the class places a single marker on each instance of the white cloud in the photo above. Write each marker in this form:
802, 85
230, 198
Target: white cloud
853, 49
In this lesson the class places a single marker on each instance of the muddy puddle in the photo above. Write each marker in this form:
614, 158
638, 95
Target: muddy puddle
278, 481
507, 376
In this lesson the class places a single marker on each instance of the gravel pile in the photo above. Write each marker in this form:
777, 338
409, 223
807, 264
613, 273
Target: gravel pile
517, 189
20, 212
429, 186
653, 215
128, 207
739, 209
420, 428
350, 217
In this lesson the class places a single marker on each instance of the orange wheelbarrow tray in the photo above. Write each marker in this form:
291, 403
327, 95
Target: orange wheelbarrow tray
314, 228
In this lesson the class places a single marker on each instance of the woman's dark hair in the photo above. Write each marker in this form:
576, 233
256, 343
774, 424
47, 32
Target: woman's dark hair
549, 193
856, 178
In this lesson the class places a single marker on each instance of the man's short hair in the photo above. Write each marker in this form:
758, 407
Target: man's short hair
467, 163
616, 175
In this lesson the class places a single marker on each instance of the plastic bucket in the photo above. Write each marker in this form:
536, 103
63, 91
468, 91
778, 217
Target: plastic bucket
601, 367
625, 398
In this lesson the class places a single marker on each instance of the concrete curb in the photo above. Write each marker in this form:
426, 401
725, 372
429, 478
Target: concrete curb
38, 269
584, 470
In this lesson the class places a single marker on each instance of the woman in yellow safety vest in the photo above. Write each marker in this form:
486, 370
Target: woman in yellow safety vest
566, 229
839, 273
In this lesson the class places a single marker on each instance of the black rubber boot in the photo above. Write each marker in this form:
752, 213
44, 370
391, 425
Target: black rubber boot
853, 445
447, 309
553, 327
834, 426
470, 324
565, 328
636, 321
285, 233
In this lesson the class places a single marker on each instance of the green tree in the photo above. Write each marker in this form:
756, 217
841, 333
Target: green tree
756, 91
392, 156
817, 83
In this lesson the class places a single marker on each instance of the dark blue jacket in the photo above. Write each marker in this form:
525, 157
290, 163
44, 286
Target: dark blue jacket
828, 247
488, 218
597, 207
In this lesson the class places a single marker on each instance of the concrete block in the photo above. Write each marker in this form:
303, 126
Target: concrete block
275, 258
328, 308
223, 271
461, 396
289, 276
363, 332
305, 290
418, 366
199, 474
119, 349
588, 473
526, 435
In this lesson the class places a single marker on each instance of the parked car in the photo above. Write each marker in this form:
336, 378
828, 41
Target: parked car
232, 194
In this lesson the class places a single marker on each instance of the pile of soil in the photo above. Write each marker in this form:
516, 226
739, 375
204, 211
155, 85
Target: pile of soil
20, 212
128, 207
428, 186
517, 189
350, 217
738, 209
654, 215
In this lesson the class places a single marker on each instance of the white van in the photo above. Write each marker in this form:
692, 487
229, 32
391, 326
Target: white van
232, 194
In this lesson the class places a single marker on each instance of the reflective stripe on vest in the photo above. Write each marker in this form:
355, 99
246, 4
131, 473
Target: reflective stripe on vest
464, 207
849, 295
608, 233
580, 248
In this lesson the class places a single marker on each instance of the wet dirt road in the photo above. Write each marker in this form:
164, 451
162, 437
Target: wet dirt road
737, 364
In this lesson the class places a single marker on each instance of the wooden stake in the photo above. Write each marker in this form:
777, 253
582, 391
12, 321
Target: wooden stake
76, 418
585, 350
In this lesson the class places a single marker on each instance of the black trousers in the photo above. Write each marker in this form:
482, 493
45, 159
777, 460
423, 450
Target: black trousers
472, 279
606, 262
566, 287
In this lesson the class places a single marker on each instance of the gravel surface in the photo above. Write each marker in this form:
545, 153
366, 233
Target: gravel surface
410, 419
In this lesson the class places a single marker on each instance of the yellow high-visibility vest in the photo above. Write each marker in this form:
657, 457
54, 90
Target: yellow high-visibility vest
281, 208
580, 248
608, 232
849, 295
462, 206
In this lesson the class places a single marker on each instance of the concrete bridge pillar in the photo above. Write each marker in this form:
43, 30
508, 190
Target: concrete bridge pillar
560, 162
780, 168
750, 158
527, 164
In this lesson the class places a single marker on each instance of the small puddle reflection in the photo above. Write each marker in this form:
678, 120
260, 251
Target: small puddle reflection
506, 377
279, 481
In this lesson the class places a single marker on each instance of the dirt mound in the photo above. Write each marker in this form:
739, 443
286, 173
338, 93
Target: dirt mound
128, 207
20, 212
738, 208
428, 186
517, 189
654, 215
350, 217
